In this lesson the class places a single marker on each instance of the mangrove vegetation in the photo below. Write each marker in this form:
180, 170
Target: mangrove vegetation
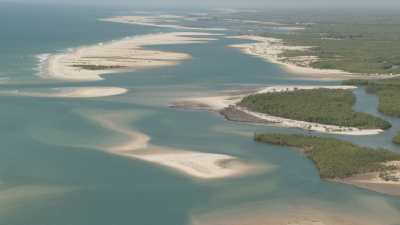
325, 106
334, 158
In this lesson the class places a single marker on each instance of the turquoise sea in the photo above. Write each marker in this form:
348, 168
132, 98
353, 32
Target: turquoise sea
52, 173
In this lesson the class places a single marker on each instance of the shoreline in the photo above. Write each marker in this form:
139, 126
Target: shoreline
88, 63
270, 49
377, 174
374, 182
156, 21
195, 164
226, 105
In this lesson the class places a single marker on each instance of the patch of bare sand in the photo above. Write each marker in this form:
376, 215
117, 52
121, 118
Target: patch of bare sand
69, 92
196, 164
88, 63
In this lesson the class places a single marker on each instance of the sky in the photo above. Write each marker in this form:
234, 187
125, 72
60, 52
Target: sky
228, 3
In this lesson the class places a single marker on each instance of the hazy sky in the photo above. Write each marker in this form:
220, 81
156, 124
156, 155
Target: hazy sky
229, 3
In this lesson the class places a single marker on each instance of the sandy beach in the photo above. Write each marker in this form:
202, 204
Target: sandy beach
270, 49
226, 105
375, 182
88, 63
165, 21
192, 163
69, 92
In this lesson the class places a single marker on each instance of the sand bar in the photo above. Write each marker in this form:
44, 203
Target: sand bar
164, 21
89, 62
69, 92
195, 164
226, 104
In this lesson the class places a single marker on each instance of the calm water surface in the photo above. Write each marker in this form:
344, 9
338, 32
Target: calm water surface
52, 173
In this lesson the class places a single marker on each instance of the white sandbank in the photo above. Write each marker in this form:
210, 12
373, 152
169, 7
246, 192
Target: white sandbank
70, 92
88, 63
165, 21
196, 164
218, 103
270, 50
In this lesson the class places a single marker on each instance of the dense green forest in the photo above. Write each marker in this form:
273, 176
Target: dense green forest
326, 106
354, 47
334, 158
388, 92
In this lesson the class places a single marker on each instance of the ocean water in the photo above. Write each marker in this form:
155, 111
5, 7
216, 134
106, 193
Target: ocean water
53, 172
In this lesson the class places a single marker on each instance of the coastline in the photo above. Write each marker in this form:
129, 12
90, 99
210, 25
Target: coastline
88, 63
374, 182
270, 49
226, 105
163, 21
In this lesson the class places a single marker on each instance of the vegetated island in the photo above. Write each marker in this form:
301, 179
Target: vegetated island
388, 92
325, 106
342, 161
235, 108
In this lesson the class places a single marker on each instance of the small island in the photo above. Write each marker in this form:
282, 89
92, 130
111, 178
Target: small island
342, 161
324, 109
324, 106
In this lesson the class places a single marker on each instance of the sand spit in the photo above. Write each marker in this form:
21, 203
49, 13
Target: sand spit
70, 92
88, 63
227, 105
165, 21
196, 164
387, 182
270, 49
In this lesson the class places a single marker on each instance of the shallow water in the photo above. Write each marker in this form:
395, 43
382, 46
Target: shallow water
52, 170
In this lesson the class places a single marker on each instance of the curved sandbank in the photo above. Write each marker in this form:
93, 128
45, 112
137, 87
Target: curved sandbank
70, 92
165, 21
227, 105
195, 164
270, 49
88, 63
